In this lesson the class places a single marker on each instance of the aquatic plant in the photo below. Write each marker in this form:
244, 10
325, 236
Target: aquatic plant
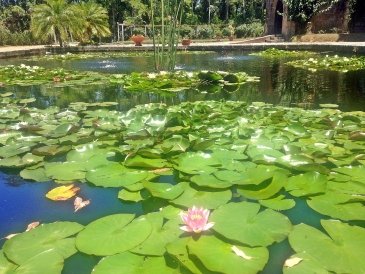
278, 53
244, 163
336, 63
196, 220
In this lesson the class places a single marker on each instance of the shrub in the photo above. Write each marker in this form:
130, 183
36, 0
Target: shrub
253, 29
204, 32
186, 31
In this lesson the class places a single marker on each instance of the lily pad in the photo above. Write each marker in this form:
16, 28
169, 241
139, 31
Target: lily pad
200, 198
309, 183
251, 226
113, 234
341, 251
24, 246
164, 190
218, 256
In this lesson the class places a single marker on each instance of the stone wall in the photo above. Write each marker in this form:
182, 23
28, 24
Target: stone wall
333, 20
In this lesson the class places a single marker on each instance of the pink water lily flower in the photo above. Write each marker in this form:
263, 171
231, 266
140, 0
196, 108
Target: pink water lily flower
196, 220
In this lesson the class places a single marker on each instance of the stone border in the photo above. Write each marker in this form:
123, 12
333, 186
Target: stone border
341, 47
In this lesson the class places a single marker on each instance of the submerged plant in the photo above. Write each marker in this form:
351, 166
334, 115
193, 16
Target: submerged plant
196, 220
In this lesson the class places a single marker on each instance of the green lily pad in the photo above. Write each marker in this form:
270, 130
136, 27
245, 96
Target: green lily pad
115, 175
139, 161
341, 251
278, 203
200, 198
164, 190
218, 256
251, 227
38, 174
56, 235
131, 196
209, 180
125, 262
178, 249
310, 183
339, 205
49, 261
195, 163
6, 266
162, 234
356, 173
66, 171
113, 234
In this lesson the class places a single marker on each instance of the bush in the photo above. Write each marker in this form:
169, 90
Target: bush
186, 31
253, 29
8, 38
204, 32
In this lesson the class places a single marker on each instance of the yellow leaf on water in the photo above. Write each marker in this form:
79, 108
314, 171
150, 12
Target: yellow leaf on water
292, 261
79, 203
62, 193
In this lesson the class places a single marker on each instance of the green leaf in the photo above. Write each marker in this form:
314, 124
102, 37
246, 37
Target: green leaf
219, 256
162, 234
115, 175
66, 171
209, 180
341, 251
278, 203
125, 262
24, 246
139, 161
309, 183
200, 198
6, 266
253, 227
198, 162
49, 261
113, 234
164, 190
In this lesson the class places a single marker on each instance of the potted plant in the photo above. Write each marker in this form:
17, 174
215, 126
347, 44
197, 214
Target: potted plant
186, 41
138, 37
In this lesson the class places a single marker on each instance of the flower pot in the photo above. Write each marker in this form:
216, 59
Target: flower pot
137, 39
230, 38
186, 42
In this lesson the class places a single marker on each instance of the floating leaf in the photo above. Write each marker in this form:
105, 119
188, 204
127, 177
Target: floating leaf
62, 193
201, 198
341, 251
251, 226
44, 237
218, 256
164, 190
113, 234
309, 183
80, 203
278, 203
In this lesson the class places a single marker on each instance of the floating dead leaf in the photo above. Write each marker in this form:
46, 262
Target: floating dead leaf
160, 170
8, 237
80, 203
240, 253
292, 261
62, 193
32, 226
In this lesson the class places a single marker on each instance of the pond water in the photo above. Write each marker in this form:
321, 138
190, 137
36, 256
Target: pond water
279, 84
22, 202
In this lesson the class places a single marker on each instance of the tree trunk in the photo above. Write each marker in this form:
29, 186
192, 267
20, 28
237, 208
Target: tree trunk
58, 36
226, 16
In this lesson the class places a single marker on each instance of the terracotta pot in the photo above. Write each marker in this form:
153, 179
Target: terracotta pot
186, 42
137, 39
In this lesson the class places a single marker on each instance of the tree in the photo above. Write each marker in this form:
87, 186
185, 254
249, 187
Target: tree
55, 17
94, 20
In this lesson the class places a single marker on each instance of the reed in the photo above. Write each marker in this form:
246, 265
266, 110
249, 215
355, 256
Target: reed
165, 41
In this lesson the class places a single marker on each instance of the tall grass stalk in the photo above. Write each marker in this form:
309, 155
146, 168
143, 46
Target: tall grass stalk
165, 43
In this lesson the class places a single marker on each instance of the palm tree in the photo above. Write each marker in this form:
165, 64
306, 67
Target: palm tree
95, 20
54, 18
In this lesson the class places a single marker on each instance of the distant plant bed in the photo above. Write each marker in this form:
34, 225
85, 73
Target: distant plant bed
180, 80
105, 55
336, 63
34, 75
278, 53
161, 82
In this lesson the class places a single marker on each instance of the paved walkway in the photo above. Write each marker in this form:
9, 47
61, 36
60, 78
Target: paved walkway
346, 47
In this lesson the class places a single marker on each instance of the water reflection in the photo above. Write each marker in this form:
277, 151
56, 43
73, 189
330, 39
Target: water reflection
279, 84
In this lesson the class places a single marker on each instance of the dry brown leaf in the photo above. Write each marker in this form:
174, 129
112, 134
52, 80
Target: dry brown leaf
79, 203
32, 226
10, 236
62, 193
292, 261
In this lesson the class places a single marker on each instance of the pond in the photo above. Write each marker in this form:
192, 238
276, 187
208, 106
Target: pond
274, 168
